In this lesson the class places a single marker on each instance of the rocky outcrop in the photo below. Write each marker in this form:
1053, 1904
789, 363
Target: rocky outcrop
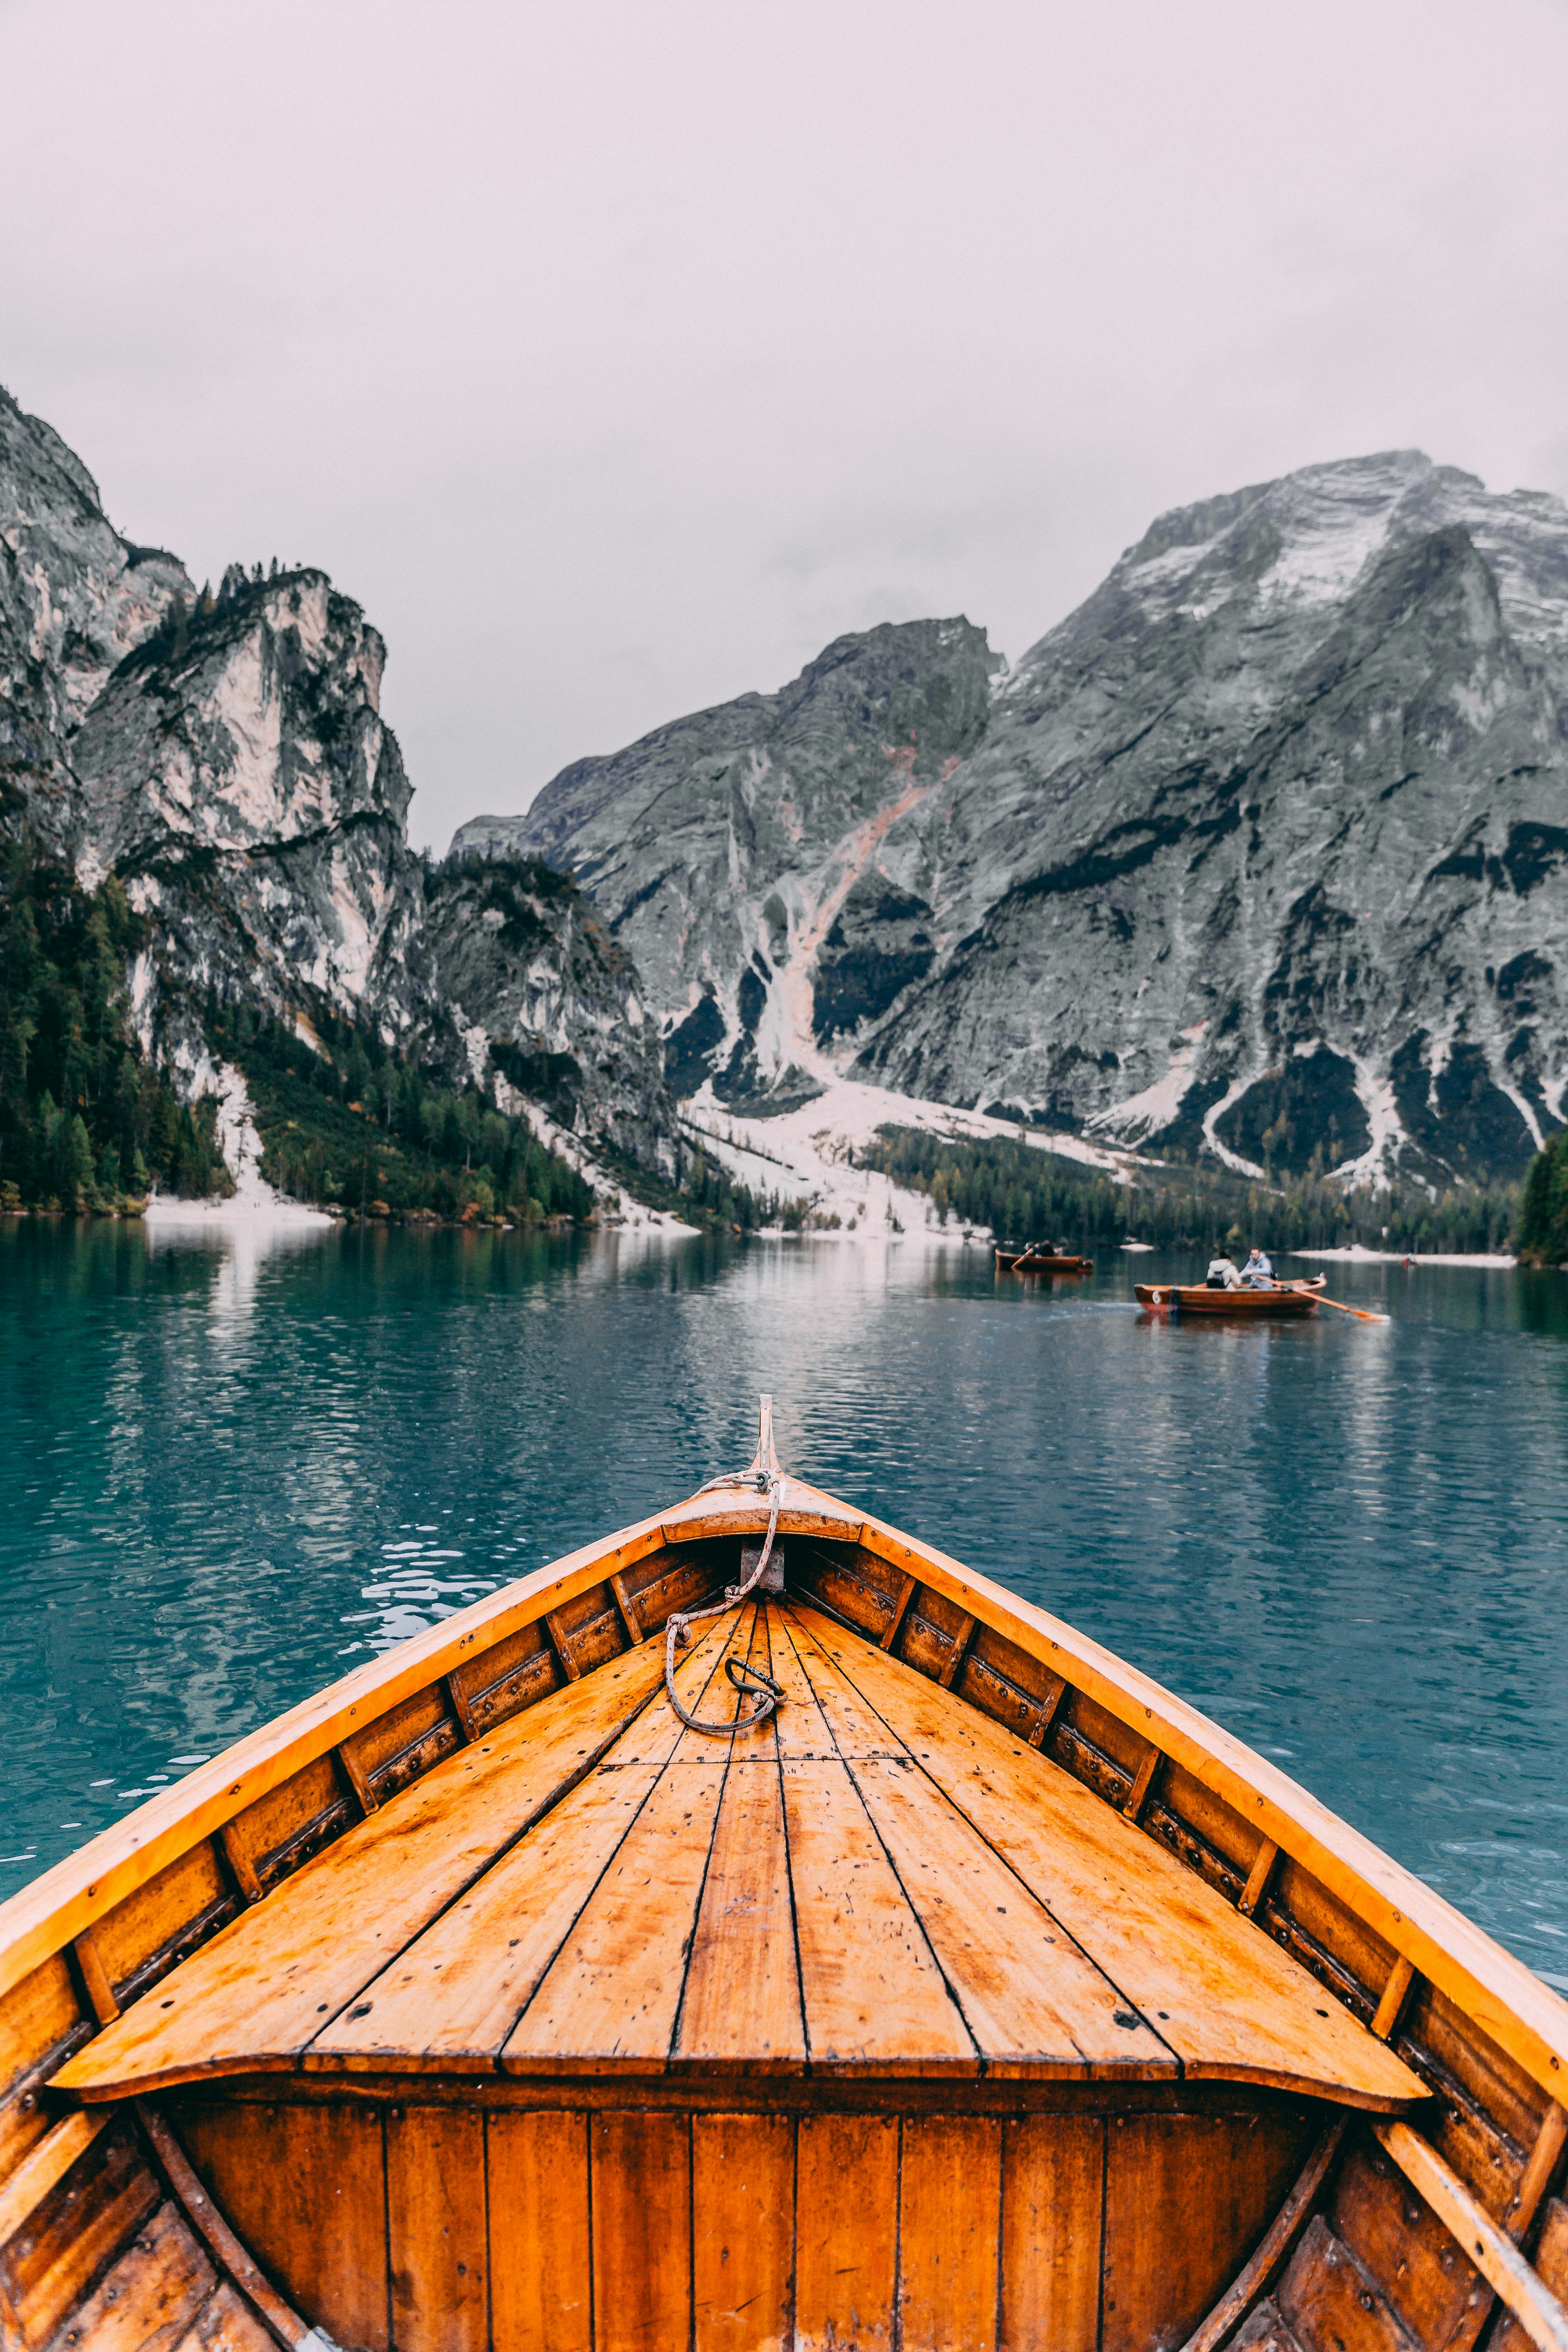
1264, 850
225, 758
548, 999
236, 773
75, 599
736, 854
1263, 853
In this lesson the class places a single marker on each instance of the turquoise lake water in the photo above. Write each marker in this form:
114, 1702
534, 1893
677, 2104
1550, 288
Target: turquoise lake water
228, 1470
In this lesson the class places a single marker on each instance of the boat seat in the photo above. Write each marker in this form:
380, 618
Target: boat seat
880, 1882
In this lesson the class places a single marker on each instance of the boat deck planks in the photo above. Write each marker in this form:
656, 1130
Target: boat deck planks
1228, 2002
610, 1998
449, 2001
959, 1905
1035, 2003
265, 1986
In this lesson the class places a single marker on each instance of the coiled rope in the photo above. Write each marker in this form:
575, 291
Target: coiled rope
746, 1679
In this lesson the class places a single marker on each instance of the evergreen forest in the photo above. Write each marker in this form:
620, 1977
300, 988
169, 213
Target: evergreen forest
1542, 1238
1025, 1194
85, 1122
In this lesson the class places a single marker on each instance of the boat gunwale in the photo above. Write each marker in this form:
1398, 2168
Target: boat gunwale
1503, 1996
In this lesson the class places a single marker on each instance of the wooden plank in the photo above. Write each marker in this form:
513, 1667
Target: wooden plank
153, 2293
1226, 1998
1522, 2015
1385, 2017
304, 2190
540, 2249
741, 2004
38, 2019
95, 1982
741, 2008
226, 2324
627, 1607
563, 1640
458, 1697
950, 2203
1258, 2273
1537, 2309
847, 2247
1186, 2199
202, 2216
1552, 2262
1331, 2304
907, 1592
144, 1937
46, 2164
450, 2000
874, 1998
742, 2231
1257, 1877
948, 1674
74, 2234
1434, 2291
266, 1985
436, 2229
358, 1779
1547, 2148
642, 2231
235, 1852
1034, 2001
1053, 2189
1142, 1782
609, 1999
1047, 1711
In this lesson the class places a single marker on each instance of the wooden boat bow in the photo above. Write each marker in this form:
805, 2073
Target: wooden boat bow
980, 1917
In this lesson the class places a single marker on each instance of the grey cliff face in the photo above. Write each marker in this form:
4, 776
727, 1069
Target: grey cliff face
529, 974
1261, 853
226, 758
735, 853
1264, 848
236, 773
75, 599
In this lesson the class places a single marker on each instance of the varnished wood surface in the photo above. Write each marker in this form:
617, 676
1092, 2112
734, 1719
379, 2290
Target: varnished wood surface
726, 2230
1521, 2016
877, 1881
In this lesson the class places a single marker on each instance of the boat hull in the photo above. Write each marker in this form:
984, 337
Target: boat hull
1197, 1298
265, 2071
1019, 1262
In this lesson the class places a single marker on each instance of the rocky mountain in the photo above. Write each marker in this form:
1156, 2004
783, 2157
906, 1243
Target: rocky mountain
1261, 854
224, 757
737, 854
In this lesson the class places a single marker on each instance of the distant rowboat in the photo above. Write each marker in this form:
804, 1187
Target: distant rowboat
1199, 1299
946, 1982
1036, 1261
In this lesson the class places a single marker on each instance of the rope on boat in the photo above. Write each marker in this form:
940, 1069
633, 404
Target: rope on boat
746, 1679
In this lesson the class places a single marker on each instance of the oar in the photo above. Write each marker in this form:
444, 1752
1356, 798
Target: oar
1324, 1300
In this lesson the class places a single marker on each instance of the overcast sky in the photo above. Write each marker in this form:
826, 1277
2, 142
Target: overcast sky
617, 357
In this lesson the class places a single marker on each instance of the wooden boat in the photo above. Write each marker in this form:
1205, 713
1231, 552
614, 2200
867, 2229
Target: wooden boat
1197, 1298
1032, 1261
978, 1992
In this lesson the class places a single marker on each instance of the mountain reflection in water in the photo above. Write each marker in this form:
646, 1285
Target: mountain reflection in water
233, 1465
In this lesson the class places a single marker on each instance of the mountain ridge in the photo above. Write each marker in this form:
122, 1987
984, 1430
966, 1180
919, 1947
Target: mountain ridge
1258, 854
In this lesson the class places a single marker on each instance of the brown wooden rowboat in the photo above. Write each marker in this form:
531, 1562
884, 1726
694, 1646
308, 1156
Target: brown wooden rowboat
1027, 1261
1197, 1298
985, 1994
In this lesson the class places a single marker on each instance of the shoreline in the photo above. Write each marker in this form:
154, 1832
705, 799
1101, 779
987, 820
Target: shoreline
1356, 1254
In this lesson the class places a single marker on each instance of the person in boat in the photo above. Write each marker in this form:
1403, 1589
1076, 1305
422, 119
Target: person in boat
1257, 1273
1222, 1274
